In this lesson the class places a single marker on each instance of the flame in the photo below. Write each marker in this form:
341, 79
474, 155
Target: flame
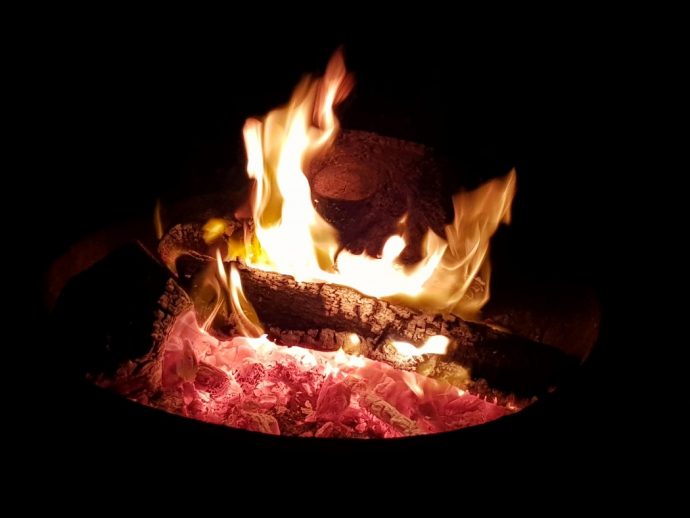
247, 321
290, 237
293, 237
214, 228
216, 307
157, 221
437, 344
414, 385
478, 214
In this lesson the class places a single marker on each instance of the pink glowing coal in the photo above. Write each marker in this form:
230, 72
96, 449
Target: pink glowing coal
254, 384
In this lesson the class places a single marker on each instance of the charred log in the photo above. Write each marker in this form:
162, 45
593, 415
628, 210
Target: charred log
325, 316
106, 314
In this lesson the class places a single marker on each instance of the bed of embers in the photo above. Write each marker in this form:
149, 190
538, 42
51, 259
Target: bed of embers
254, 384
359, 320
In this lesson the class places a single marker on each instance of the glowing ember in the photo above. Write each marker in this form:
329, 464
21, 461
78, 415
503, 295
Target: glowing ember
254, 384
290, 237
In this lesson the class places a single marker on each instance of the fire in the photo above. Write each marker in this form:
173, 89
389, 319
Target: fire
254, 384
290, 237
157, 220
214, 228
477, 216
246, 319
248, 324
437, 344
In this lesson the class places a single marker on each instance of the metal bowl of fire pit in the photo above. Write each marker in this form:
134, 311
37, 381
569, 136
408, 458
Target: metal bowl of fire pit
343, 296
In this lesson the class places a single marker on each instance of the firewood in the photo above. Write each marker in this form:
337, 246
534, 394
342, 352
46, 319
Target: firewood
328, 316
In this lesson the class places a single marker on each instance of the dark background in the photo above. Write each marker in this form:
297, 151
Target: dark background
146, 113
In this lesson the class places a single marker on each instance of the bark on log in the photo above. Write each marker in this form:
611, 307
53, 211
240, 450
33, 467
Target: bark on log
324, 316
119, 338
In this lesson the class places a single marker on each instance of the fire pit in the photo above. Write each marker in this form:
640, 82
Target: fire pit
343, 298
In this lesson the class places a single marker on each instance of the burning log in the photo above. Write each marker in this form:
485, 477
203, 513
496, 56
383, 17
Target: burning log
366, 182
327, 316
126, 343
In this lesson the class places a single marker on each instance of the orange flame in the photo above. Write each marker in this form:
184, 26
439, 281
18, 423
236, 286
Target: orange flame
157, 220
247, 321
478, 214
437, 344
293, 238
290, 237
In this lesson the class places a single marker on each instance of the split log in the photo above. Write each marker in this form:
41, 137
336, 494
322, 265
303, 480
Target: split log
105, 314
324, 316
